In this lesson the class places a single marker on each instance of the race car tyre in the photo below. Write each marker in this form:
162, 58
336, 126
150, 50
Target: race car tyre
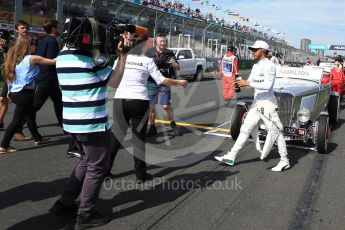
323, 134
333, 109
198, 76
236, 121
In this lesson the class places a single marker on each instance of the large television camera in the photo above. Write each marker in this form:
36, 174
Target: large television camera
102, 38
116, 32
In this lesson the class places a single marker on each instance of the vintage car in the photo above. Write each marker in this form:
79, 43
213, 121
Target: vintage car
307, 107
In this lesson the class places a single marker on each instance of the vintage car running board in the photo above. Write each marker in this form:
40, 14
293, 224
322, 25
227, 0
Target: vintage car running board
302, 147
295, 146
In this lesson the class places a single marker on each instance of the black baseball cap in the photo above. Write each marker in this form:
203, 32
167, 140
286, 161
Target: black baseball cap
231, 48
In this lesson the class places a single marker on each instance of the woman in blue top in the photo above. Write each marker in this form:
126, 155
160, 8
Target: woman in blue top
21, 68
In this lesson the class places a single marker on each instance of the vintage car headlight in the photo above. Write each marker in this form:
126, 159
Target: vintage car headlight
303, 115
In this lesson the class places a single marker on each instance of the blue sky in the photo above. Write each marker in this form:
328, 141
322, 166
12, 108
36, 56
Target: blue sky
322, 21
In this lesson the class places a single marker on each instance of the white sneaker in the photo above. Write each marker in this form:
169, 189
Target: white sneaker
225, 160
281, 166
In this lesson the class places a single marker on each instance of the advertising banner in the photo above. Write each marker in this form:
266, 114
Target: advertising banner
337, 47
317, 46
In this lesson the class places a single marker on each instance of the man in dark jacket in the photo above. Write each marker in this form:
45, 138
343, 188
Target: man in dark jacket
47, 82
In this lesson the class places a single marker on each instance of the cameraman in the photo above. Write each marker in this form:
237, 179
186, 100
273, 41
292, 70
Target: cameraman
166, 62
85, 117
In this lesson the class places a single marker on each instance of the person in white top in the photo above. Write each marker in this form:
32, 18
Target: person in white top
273, 58
131, 102
264, 108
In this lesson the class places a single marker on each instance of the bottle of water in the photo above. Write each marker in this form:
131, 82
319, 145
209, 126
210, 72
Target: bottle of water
237, 87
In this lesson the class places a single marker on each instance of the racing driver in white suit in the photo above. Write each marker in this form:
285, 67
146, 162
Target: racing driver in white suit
264, 108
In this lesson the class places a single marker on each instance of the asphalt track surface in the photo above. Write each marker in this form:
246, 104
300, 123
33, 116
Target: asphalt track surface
190, 190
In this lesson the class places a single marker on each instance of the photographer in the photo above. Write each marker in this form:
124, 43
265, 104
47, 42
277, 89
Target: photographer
166, 61
83, 85
4, 45
132, 101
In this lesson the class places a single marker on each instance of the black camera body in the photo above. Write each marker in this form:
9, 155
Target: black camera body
6, 35
89, 34
162, 61
114, 34
163, 65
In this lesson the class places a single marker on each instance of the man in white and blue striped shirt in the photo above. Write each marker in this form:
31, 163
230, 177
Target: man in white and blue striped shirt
85, 116
83, 88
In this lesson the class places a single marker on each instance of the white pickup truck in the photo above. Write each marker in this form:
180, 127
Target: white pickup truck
190, 66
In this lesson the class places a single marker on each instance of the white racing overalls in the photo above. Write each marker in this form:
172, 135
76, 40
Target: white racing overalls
265, 109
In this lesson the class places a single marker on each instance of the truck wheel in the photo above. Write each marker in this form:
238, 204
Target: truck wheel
237, 119
333, 109
323, 134
199, 74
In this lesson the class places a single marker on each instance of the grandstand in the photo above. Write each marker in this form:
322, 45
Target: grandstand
208, 35
186, 28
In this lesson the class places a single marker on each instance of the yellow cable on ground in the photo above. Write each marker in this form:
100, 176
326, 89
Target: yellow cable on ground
194, 126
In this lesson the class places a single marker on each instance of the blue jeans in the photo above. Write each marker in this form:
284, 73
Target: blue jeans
163, 91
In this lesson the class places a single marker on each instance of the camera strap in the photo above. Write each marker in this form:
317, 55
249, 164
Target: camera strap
96, 43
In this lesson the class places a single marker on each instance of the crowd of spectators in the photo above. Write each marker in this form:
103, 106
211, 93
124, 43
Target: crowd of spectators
212, 18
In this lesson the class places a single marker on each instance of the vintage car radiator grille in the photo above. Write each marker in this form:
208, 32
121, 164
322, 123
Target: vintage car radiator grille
285, 105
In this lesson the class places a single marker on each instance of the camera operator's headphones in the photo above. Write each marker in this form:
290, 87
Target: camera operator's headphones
85, 34
97, 43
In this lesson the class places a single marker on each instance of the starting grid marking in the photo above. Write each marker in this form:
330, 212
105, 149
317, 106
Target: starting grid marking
213, 131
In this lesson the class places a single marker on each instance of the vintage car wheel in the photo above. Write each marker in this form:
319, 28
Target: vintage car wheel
323, 134
237, 120
333, 109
